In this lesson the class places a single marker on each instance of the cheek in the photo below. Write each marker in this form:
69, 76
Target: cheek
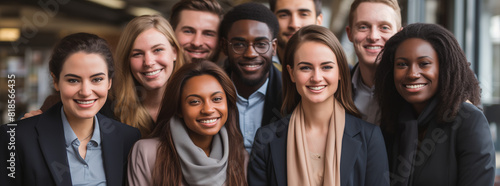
135, 65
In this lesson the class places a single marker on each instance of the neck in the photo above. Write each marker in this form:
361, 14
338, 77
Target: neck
318, 115
281, 54
81, 127
152, 101
204, 142
243, 89
367, 72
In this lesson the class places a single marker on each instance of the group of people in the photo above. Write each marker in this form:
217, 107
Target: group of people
284, 107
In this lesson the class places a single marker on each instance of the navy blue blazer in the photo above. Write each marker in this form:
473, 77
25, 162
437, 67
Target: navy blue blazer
40, 150
363, 160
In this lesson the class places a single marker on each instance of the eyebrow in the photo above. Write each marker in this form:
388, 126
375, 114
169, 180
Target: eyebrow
196, 95
77, 76
154, 46
287, 11
243, 39
322, 63
420, 57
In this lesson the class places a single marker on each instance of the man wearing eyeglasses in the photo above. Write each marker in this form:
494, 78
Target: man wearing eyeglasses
248, 34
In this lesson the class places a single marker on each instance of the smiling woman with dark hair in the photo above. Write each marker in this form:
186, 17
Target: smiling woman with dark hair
71, 143
197, 139
429, 97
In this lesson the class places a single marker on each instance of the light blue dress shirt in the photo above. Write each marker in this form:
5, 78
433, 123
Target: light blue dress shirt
88, 171
251, 111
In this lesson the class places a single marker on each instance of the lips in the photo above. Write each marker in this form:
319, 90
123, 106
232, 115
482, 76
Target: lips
85, 103
208, 122
197, 52
151, 73
316, 88
415, 87
250, 67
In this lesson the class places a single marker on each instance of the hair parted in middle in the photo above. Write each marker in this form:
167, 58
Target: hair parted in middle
128, 107
316, 33
167, 170
391, 3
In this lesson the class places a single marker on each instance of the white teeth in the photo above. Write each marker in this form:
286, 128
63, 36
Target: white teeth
152, 73
252, 66
208, 120
373, 47
414, 86
317, 88
85, 102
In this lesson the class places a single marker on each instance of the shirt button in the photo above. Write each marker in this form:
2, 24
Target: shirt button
85, 166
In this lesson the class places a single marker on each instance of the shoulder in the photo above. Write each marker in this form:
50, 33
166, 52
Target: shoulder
469, 118
145, 149
354, 125
110, 125
275, 128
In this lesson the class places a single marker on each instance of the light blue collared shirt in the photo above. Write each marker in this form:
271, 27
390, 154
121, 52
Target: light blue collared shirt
88, 171
251, 111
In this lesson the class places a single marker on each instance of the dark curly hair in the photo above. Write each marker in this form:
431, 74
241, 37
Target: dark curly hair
457, 82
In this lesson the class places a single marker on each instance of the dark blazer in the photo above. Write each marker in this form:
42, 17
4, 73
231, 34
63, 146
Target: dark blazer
273, 100
363, 158
459, 152
40, 150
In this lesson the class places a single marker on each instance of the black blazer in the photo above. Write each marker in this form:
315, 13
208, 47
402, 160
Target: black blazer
40, 150
273, 99
363, 159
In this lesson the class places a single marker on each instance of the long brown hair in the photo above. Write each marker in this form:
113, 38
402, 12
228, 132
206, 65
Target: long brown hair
128, 106
322, 35
167, 170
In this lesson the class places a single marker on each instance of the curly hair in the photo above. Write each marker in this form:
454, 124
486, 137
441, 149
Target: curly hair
457, 82
167, 170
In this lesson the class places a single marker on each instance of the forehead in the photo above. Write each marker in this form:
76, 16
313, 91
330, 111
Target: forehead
202, 85
295, 5
81, 63
371, 12
201, 20
415, 47
314, 52
249, 30
150, 37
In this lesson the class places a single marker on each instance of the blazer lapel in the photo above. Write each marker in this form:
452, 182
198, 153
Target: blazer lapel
272, 102
278, 152
52, 144
112, 151
350, 147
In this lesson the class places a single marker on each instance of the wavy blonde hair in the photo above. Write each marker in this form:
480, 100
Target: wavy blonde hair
128, 107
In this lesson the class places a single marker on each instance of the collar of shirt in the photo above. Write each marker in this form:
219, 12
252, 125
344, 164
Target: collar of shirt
358, 83
261, 91
70, 135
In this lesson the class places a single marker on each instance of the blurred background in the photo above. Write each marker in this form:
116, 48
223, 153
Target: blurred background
30, 28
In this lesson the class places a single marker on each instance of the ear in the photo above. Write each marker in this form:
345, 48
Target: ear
290, 72
400, 29
274, 44
223, 46
110, 83
175, 52
348, 31
56, 83
319, 19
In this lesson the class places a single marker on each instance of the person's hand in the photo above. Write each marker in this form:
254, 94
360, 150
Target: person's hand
32, 113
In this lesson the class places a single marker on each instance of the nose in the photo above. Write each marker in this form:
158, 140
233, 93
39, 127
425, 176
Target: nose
414, 72
294, 23
149, 60
374, 35
207, 108
197, 40
250, 52
85, 89
316, 77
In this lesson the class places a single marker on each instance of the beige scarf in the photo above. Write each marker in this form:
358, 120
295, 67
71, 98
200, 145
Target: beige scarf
299, 168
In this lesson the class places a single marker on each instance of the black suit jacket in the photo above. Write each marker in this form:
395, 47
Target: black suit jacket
363, 158
273, 99
40, 150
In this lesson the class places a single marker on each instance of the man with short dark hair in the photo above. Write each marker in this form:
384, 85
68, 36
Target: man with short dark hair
196, 24
248, 34
293, 15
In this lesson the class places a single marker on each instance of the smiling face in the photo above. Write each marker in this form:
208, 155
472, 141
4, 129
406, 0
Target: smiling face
152, 59
197, 32
373, 24
315, 72
204, 106
293, 15
250, 67
83, 84
416, 72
